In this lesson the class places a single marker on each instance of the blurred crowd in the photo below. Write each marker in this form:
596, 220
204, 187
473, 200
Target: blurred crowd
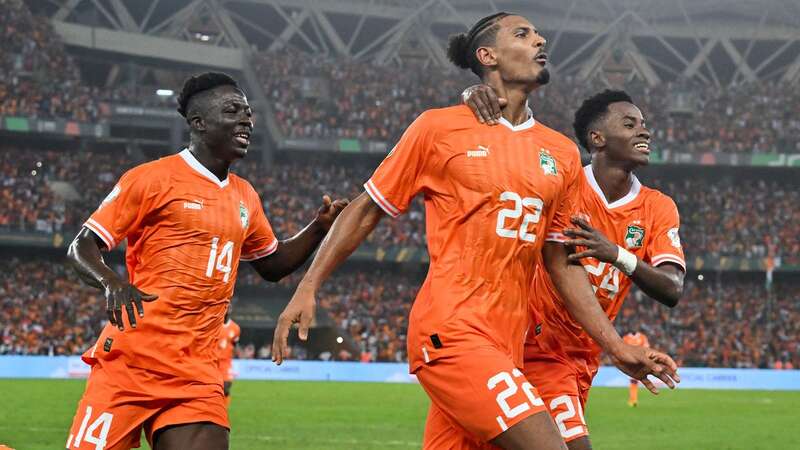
745, 218
727, 324
46, 310
319, 97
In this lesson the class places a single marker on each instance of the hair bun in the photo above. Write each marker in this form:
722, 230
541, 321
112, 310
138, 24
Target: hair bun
457, 50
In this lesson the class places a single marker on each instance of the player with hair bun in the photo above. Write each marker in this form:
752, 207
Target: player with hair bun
497, 200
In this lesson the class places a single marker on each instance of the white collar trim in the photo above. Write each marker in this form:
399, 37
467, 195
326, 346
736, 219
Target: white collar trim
636, 186
524, 125
201, 169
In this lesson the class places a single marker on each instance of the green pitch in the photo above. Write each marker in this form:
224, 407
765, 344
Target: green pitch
35, 415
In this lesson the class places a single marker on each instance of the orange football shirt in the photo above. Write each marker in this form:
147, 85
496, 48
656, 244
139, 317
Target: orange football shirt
228, 337
492, 196
186, 231
646, 223
636, 338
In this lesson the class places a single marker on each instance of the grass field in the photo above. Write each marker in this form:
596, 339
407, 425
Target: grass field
35, 415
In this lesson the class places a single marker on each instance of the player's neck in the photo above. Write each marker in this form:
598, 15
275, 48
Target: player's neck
614, 181
516, 111
203, 154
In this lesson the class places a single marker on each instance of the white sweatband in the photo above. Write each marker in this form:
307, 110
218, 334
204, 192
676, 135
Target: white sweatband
626, 261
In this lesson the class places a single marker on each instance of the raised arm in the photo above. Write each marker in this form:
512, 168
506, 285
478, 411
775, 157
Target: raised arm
576, 292
293, 252
354, 224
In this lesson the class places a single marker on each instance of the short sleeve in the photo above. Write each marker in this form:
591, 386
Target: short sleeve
665, 245
260, 240
399, 177
568, 203
122, 211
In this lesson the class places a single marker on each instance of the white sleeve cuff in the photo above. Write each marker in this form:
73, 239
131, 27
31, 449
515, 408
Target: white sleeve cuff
101, 232
378, 198
266, 251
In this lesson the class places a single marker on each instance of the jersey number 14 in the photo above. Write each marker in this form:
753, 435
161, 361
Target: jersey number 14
221, 262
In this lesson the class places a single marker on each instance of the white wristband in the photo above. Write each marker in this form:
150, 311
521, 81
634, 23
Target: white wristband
626, 261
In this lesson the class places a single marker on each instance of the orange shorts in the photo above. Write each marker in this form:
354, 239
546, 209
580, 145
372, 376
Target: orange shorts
121, 401
475, 396
565, 390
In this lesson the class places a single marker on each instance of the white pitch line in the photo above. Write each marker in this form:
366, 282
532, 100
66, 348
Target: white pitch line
261, 437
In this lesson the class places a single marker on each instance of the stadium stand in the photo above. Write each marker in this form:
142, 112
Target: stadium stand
45, 309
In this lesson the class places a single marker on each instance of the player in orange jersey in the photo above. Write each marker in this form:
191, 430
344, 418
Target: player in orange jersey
493, 196
629, 234
228, 338
635, 338
188, 222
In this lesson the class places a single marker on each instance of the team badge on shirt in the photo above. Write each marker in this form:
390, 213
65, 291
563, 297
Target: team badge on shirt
243, 214
547, 162
674, 237
634, 236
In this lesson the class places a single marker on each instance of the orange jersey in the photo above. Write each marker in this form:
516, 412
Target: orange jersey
492, 197
636, 338
646, 223
228, 337
186, 231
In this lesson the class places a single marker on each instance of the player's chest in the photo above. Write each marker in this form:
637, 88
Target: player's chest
488, 165
210, 212
627, 226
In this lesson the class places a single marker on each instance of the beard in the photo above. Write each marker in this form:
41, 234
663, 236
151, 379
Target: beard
543, 77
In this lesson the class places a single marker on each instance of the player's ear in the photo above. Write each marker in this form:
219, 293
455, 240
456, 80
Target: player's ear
597, 139
486, 56
197, 123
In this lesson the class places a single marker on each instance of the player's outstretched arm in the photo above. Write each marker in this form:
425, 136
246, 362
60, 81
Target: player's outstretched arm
348, 232
573, 285
293, 252
663, 283
84, 254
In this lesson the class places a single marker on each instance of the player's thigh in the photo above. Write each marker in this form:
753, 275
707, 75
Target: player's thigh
192, 436
107, 418
442, 433
536, 432
207, 413
561, 389
581, 443
480, 392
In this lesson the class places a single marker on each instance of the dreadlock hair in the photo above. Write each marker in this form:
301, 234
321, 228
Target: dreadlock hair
461, 47
200, 83
593, 109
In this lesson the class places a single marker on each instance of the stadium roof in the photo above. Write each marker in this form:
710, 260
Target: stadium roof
711, 41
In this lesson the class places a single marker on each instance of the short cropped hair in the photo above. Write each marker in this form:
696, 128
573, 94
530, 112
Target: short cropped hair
200, 83
593, 109
461, 47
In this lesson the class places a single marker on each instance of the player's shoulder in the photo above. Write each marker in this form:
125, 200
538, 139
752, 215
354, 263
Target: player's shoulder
242, 185
556, 141
657, 199
447, 119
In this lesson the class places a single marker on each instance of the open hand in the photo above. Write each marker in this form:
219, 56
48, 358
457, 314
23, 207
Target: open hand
639, 362
484, 103
121, 294
596, 243
300, 310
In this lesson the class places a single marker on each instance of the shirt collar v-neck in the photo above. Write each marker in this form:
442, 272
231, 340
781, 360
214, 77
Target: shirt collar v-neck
524, 125
636, 186
201, 169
